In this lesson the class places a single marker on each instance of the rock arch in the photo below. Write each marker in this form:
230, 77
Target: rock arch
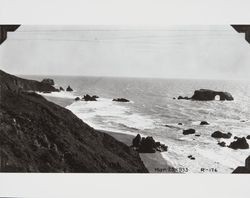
206, 94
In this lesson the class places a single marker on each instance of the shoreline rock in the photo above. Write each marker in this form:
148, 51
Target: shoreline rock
136, 141
147, 145
48, 81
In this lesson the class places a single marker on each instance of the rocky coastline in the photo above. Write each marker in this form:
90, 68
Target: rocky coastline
39, 136
43, 132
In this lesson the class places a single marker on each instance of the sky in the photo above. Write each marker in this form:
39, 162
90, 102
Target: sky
207, 52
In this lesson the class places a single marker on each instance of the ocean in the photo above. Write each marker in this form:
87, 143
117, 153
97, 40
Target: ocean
152, 111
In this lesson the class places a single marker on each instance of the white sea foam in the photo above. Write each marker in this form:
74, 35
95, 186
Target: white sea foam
61, 94
105, 114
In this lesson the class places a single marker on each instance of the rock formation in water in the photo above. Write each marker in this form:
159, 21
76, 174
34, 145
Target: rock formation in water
239, 143
222, 144
87, 97
77, 99
39, 136
208, 95
218, 134
188, 131
191, 157
69, 89
120, 100
204, 123
183, 98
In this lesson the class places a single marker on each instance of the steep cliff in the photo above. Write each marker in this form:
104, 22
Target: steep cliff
16, 84
39, 136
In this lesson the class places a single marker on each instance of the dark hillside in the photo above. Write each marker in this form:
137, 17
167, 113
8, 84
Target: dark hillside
16, 84
39, 136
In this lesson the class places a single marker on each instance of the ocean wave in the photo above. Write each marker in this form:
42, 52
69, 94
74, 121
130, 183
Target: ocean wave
105, 114
61, 94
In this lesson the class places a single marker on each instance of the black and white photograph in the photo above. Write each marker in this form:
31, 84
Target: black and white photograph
128, 98
119, 99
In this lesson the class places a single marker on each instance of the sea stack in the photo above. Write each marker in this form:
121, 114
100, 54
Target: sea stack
206, 95
69, 89
61, 89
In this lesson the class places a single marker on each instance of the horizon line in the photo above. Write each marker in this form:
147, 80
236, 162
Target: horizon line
139, 77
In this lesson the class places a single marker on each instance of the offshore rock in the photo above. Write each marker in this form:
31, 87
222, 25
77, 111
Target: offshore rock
188, 131
222, 144
204, 123
87, 97
61, 89
120, 100
218, 134
69, 89
240, 143
77, 99
206, 95
183, 98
